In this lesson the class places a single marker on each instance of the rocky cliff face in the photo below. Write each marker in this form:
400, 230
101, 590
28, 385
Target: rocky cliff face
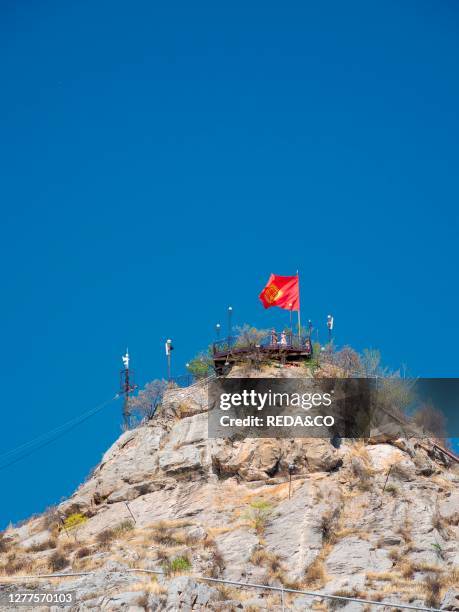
166, 498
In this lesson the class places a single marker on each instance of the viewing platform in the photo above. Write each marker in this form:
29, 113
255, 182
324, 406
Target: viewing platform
277, 346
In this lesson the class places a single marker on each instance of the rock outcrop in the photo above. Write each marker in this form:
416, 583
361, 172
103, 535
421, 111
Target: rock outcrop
165, 498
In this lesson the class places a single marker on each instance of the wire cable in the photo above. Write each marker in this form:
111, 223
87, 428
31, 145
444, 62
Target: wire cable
51, 435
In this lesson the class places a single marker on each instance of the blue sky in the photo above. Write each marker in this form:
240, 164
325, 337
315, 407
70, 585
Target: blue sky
159, 160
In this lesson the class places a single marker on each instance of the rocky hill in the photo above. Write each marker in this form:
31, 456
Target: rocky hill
165, 498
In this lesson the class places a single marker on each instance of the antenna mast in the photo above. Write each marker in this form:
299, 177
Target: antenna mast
126, 387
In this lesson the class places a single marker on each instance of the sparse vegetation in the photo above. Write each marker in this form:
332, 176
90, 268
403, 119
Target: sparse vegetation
16, 564
5, 543
58, 561
143, 405
74, 520
82, 552
123, 527
176, 565
105, 537
201, 365
249, 336
258, 515
392, 489
49, 518
315, 573
338, 603
329, 525
168, 544
432, 586
46, 545
266, 558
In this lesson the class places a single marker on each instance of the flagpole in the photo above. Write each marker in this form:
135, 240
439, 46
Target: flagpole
299, 315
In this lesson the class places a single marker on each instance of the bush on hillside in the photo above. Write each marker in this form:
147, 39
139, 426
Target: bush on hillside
74, 520
249, 336
200, 366
143, 405
58, 561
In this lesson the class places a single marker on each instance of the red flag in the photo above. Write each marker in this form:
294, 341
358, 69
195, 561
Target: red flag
282, 291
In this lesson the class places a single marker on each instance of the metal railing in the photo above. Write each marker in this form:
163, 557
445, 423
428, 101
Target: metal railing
272, 341
244, 585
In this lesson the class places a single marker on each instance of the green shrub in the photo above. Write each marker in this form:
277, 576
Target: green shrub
179, 564
258, 515
74, 520
200, 366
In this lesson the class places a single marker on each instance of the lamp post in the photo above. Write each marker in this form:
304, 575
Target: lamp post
230, 314
217, 329
169, 348
310, 328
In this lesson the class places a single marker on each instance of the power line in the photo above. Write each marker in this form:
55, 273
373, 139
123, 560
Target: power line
52, 435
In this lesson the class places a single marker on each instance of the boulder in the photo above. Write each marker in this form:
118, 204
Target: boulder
181, 460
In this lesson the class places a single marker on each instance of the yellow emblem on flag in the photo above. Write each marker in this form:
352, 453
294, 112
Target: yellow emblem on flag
272, 293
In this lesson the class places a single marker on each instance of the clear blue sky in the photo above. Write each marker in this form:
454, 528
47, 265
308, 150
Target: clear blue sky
159, 160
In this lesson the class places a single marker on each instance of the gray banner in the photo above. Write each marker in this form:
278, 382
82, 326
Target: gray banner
329, 407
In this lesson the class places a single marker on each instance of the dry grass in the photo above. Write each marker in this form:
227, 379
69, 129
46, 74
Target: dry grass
394, 555
47, 545
149, 586
170, 533
105, 537
215, 531
17, 565
401, 581
337, 603
227, 592
405, 529
441, 525
319, 606
392, 489
6, 544
272, 601
58, 561
329, 525
315, 574
406, 569
90, 563
381, 576
265, 558
49, 518
82, 552
433, 586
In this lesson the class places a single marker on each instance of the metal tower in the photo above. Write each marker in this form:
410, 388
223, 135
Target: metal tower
126, 387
